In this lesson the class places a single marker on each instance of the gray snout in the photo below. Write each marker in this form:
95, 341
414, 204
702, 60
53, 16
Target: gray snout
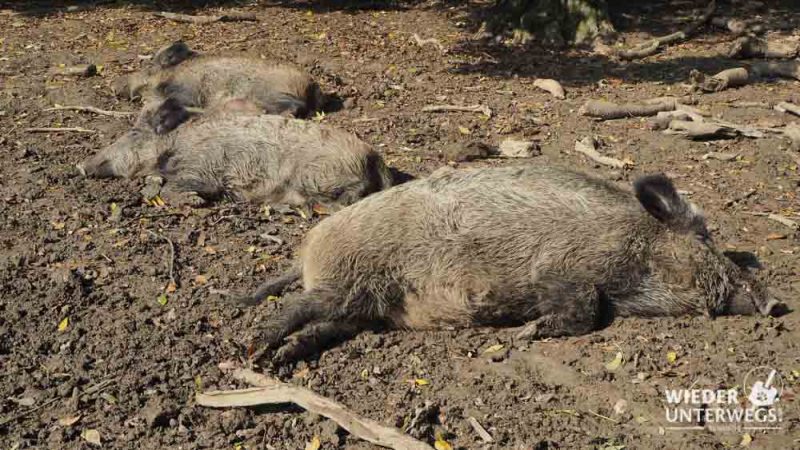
773, 307
81, 169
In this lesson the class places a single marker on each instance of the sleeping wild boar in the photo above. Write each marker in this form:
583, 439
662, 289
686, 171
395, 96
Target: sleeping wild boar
195, 80
543, 247
243, 157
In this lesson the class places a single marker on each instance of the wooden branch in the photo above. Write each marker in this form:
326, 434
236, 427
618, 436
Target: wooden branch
786, 107
651, 47
229, 17
587, 147
701, 130
485, 110
726, 79
607, 110
272, 391
91, 109
485, 436
551, 86
780, 219
753, 47
60, 130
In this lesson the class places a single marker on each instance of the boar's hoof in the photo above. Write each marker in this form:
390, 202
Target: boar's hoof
81, 169
554, 325
176, 198
774, 308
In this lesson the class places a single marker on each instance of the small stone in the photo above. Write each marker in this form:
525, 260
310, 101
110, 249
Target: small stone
620, 407
512, 148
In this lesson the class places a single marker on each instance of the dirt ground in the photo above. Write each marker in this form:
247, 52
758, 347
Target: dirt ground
86, 344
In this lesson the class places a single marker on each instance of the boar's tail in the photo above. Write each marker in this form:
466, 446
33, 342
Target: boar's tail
273, 286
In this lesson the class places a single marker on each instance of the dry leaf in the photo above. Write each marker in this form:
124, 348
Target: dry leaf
494, 348
171, 287
746, 440
463, 130
776, 236
672, 357
69, 420
421, 382
615, 363
58, 225
365, 374
201, 280
210, 250
314, 444
92, 436
62, 326
273, 298
251, 249
441, 444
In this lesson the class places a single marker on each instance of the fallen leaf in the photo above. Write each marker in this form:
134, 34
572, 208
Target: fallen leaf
62, 326
171, 287
441, 444
746, 440
251, 249
494, 348
69, 420
364, 374
201, 280
109, 398
672, 357
314, 444
58, 225
463, 130
91, 436
198, 383
421, 382
162, 299
615, 363
210, 250
273, 298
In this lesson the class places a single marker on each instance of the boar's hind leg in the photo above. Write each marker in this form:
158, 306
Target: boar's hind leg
567, 309
315, 337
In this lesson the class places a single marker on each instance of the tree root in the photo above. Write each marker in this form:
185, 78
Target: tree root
485, 110
652, 47
272, 391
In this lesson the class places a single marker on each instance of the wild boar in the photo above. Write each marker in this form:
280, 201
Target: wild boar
542, 246
243, 157
194, 80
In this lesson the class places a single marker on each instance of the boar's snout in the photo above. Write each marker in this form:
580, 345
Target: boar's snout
747, 304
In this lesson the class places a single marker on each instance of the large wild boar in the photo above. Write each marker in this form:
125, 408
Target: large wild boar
243, 157
542, 246
195, 80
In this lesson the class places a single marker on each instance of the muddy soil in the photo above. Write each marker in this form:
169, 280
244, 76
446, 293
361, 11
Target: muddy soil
88, 341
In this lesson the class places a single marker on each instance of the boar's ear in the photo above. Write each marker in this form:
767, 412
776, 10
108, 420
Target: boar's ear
172, 55
286, 105
658, 196
168, 116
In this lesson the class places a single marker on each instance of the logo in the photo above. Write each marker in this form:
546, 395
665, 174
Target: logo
755, 405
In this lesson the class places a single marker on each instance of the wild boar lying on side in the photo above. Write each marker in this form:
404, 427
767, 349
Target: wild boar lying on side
541, 246
250, 157
194, 80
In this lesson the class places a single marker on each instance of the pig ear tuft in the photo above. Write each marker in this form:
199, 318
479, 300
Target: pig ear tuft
658, 196
168, 116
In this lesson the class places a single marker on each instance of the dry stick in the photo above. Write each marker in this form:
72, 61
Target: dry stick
586, 146
485, 436
754, 47
700, 130
741, 197
787, 107
423, 42
651, 47
485, 110
91, 109
749, 104
230, 17
171, 255
778, 218
726, 79
272, 391
60, 130
551, 86
606, 110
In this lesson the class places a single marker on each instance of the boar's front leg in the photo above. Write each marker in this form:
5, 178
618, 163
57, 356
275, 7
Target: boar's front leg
315, 337
566, 309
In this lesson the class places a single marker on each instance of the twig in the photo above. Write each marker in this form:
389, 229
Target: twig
91, 109
480, 430
749, 104
778, 218
60, 130
272, 391
171, 255
651, 47
741, 197
586, 146
230, 17
787, 107
485, 110
602, 416
422, 42
26, 412
726, 79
